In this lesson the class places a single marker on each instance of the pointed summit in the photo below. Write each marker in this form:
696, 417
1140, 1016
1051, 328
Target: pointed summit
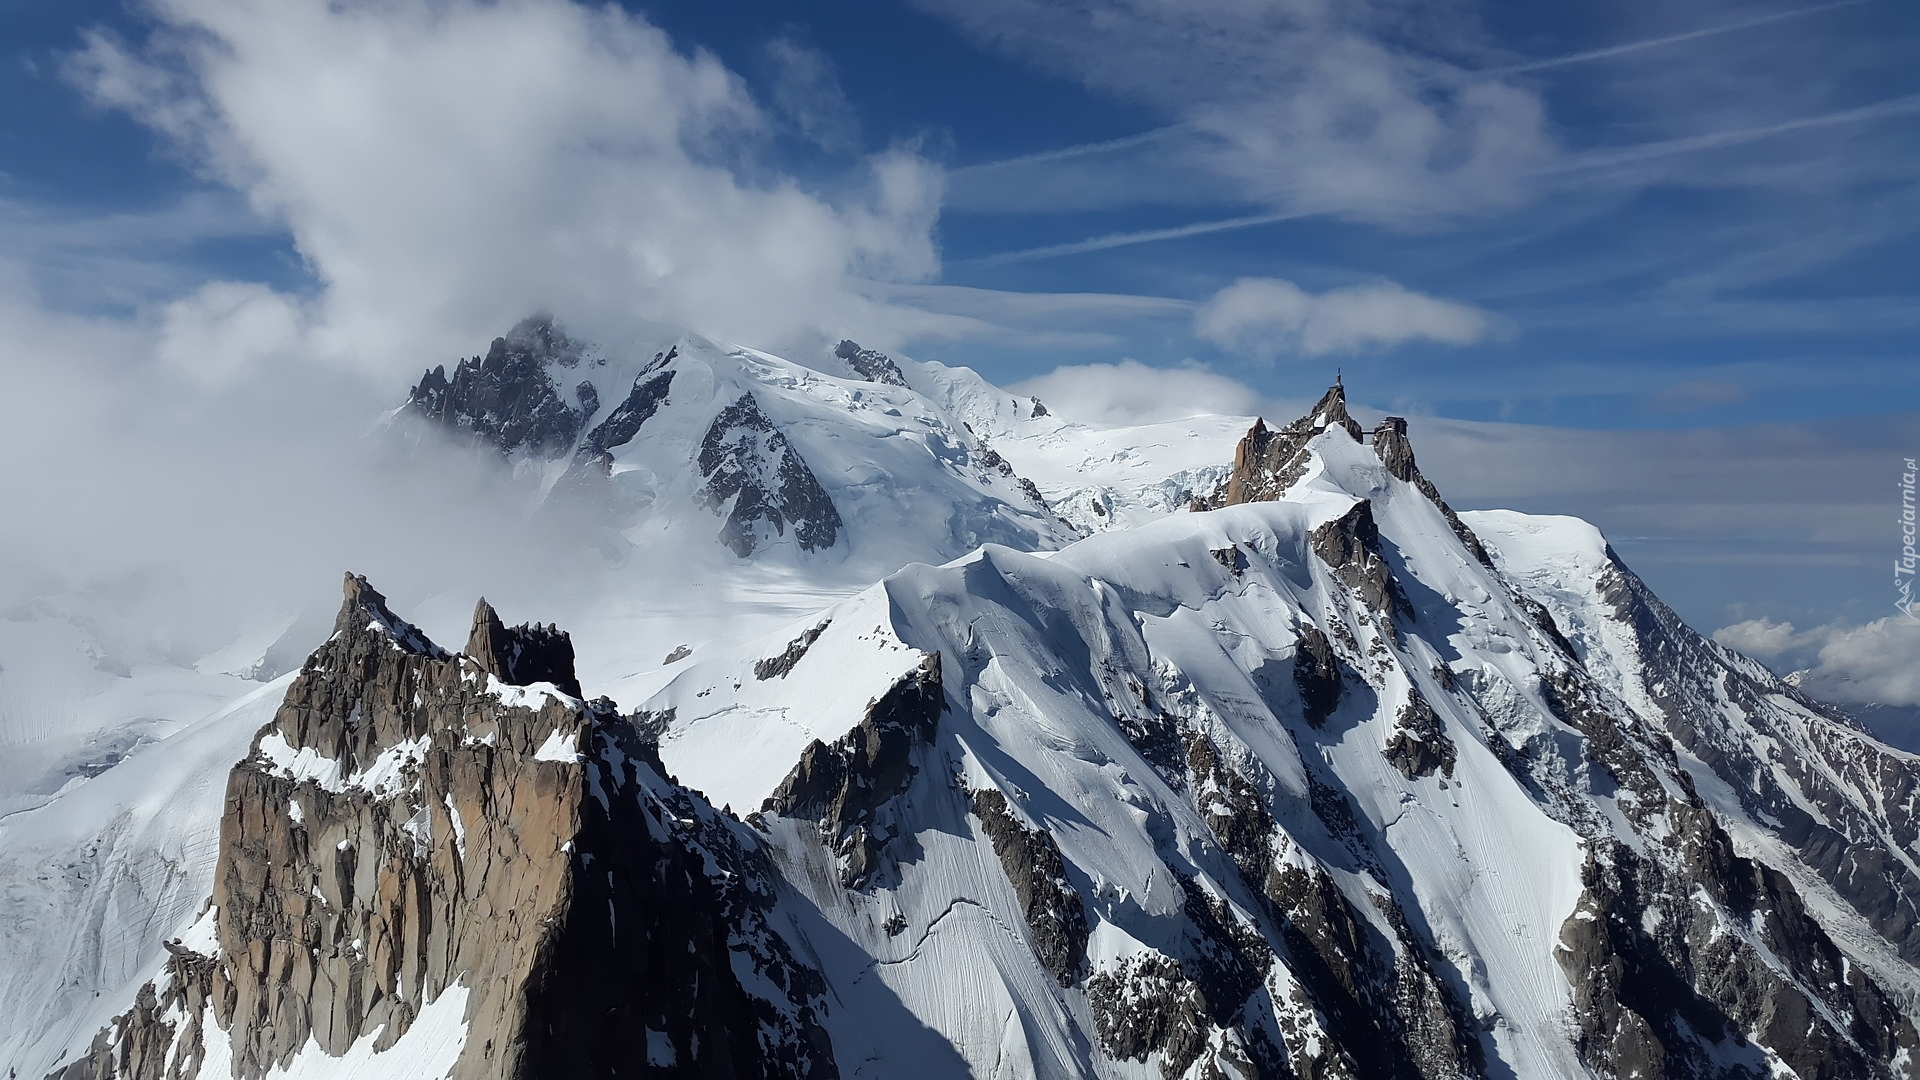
508, 399
1268, 462
363, 608
1329, 411
1395, 450
524, 654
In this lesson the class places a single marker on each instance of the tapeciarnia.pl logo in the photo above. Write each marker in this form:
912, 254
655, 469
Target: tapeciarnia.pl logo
1903, 567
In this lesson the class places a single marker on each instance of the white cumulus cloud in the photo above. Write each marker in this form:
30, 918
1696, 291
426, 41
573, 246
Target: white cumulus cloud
1877, 662
1269, 317
1130, 392
446, 166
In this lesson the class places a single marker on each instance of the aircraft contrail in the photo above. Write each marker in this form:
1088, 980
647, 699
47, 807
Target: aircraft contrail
1126, 142
1143, 236
1654, 43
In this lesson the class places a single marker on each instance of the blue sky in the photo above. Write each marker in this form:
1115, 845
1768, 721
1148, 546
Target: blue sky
1680, 217
1712, 220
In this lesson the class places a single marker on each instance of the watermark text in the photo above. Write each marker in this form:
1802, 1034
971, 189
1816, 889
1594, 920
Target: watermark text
1904, 566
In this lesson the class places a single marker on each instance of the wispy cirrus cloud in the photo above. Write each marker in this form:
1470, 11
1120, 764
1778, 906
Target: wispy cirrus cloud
1348, 113
1303, 107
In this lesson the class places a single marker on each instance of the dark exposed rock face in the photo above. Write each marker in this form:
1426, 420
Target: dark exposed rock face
1727, 711
507, 399
1396, 453
1388, 1011
1056, 920
403, 826
1350, 545
1419, 745
624, 422
585, 479
1317, 674
777, 667
1146, 1003
757, 478
1661, 990
1231, 808
1231, 558
523, 655
1268, 462
846, 787
871, 365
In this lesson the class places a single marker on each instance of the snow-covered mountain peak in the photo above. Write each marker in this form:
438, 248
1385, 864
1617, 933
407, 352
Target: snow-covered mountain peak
1266, 772
781, 458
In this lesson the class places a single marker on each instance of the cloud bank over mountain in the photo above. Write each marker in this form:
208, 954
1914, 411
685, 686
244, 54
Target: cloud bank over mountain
1872, 663
438, 164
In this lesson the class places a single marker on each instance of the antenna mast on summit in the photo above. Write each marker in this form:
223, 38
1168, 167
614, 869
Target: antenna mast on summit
1336, 377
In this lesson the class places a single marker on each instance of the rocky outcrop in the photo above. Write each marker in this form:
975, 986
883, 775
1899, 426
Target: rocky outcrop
508, 399
1382, 1002
1390, 442
1231, 808
846, 787
1419, 745
1268, 462
1350, 546
411, 821
1146, 1004
584, 482
757, 480
163, 1037
777, 667
523, 655
870, 365
623, 423
1056, 919
1317, 674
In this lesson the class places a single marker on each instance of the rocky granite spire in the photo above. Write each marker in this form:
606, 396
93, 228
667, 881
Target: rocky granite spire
1268, 462
523, 655
1396, 453
404, 830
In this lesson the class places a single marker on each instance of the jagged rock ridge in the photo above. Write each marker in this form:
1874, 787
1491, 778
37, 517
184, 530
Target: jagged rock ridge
414, 824
871, 365
507, 399
759, 482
